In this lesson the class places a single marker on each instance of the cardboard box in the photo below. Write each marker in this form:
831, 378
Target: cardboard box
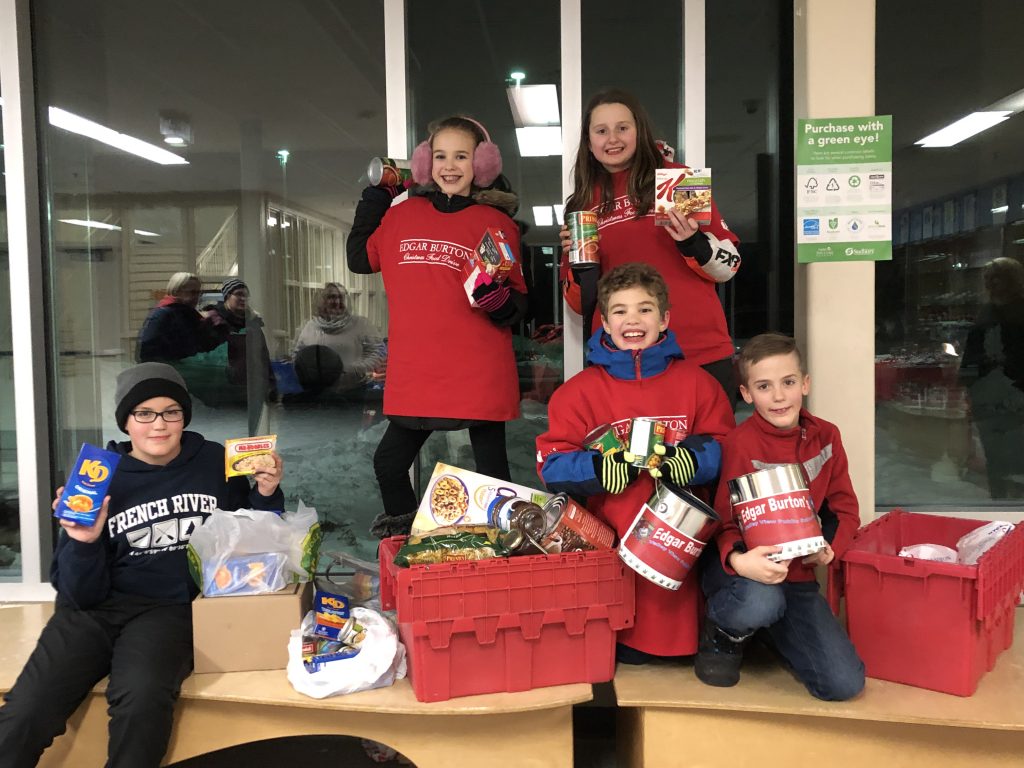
686, 189
459, 497
248, 632
493, 255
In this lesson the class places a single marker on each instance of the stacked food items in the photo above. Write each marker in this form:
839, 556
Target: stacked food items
329, 632
468, 516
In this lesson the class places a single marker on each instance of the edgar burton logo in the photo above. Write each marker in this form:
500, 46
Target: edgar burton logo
860, 251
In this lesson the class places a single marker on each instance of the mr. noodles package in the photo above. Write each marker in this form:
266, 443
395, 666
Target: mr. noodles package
248, 455
87, 485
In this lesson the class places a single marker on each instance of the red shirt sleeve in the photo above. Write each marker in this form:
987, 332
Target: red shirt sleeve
842, 500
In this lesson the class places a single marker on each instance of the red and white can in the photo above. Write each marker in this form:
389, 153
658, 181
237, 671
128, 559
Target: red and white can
773, 507
570, 528
667, 536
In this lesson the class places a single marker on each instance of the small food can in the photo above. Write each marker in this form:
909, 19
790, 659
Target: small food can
583, 231
674, 435
385, 172
644, 434
522, 521
602, 439
571, 528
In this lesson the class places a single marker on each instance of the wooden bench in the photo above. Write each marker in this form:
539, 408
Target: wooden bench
224, 710
668, 718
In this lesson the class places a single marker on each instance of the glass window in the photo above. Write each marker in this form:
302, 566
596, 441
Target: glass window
949, 332
257, 144
10, 537
478, 85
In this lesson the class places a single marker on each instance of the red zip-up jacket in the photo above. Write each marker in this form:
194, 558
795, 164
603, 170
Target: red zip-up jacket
814, 443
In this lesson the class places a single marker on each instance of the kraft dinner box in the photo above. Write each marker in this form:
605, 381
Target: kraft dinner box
247, 633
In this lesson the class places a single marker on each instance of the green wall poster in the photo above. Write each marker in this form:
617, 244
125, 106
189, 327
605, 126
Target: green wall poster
844, 189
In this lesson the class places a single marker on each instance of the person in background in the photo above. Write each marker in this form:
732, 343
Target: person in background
636, 370
993, 372
354, 340
614, 175
247, 345
745, 590
174, 328
124, 590
450, 364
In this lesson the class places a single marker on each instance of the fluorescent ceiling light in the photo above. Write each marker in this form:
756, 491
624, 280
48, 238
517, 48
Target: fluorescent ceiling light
104, 225
543, 216
964, 128
559, 214
1001, 209
539, 141
533, 105
60, 118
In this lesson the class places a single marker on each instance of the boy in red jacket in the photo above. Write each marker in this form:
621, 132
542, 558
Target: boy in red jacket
637, 369
745, 590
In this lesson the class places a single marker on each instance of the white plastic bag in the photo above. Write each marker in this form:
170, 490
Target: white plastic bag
223, 549
380, 661
973, 544
934, 552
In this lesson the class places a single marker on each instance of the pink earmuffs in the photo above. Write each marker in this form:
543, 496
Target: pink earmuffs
486, 160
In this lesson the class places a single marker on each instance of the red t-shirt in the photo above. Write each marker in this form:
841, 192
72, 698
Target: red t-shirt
697, 318
446, 359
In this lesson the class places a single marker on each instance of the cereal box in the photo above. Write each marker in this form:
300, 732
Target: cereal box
493, 255
248, 455
688, 190
459, 497
87, 485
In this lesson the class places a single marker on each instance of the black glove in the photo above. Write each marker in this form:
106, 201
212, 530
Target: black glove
615, 470
678, 463
381, 195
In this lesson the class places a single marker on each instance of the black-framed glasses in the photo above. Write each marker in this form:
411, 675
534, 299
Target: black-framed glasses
148, 417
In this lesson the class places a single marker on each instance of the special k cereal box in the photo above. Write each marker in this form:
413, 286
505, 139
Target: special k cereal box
248, 455
493, 255
688, 190
87, 485
459, 497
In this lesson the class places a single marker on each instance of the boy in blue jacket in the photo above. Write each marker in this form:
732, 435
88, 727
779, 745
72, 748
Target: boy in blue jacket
637, 369
124, 591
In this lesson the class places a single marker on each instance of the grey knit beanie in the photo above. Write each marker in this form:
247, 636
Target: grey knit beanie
231, 285
146, 380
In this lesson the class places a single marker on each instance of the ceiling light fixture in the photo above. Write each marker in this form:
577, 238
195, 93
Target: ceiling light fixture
964, 128
543, 216
60, 118
104, 225
175, 128
539, 141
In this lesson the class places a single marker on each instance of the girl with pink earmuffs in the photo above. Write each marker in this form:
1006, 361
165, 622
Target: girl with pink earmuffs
450, 364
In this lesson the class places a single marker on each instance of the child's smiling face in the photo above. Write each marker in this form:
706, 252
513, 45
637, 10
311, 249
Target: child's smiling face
634, 320
452, 167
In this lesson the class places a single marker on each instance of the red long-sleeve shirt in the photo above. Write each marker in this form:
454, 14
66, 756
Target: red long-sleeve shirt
814, 443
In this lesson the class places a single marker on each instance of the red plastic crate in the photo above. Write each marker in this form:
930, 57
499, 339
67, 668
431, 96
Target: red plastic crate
932, 625
508, 624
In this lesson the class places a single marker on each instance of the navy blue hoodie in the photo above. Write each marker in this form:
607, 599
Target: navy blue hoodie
153, 511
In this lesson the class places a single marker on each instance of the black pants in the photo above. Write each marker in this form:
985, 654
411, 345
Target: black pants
398, 449
725, 374
146, 649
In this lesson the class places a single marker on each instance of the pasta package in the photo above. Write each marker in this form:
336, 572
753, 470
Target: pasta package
457, 496
452, 545
493, 256
687, 190
248, 455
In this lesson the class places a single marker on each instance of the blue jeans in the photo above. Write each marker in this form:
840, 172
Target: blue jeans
798, 621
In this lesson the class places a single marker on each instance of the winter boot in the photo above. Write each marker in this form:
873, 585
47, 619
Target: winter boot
719, 656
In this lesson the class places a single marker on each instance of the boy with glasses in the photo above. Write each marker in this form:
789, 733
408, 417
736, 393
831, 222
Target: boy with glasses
123, 584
